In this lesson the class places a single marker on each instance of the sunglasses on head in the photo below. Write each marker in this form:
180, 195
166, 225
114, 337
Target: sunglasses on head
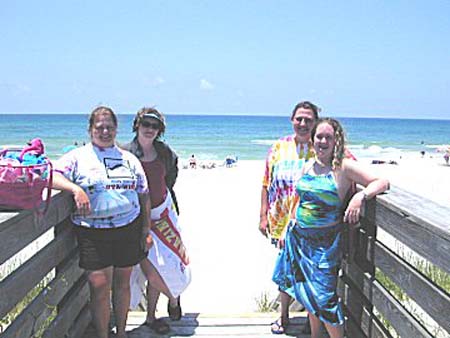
148, 124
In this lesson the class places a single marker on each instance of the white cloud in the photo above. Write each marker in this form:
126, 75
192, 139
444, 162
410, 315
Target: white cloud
206, 85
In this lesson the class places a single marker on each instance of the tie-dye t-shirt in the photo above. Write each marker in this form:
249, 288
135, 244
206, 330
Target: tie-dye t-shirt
283, 169
112, 178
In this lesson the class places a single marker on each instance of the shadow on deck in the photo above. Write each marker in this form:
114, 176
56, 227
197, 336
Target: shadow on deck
255, 325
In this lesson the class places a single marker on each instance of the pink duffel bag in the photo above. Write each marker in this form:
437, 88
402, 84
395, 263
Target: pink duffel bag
25, 181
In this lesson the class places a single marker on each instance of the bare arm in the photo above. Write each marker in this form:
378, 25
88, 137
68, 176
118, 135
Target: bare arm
80, 197
263, 222
144, 202
373, 186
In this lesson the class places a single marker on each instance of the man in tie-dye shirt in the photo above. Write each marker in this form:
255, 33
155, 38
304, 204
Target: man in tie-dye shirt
283, 167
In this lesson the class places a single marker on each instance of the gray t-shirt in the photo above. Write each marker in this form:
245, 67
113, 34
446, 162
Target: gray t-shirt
112, 178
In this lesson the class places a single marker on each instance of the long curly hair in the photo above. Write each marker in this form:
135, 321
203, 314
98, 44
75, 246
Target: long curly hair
339, 135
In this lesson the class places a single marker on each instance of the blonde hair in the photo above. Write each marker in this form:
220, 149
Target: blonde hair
339, 136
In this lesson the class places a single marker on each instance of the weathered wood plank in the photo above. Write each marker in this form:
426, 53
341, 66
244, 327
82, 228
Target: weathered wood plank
19, 229
372, 326
431, 298
80, 324
352, 329
358, 309
217, 326
416, 235
76, 301
391, 309
37, 312
7, 215
353, 299
28, 275
429, 214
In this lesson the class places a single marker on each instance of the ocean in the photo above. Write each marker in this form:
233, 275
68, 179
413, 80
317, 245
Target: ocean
213, 137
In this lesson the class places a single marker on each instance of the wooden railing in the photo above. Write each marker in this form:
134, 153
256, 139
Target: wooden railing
424, 228
60, 307
46, 295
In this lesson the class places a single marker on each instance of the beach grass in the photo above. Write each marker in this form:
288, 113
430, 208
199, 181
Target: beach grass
32, 294
435, 274
265, 303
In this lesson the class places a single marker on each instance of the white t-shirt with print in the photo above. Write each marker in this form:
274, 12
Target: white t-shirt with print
112, 178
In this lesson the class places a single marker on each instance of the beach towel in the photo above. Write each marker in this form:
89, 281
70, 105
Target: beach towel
168, 254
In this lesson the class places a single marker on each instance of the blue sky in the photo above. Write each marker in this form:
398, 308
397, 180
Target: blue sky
353, 58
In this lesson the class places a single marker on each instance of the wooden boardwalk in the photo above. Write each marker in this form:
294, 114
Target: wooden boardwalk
253, 325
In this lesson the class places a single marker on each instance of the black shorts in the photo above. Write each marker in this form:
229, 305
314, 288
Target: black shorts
101, 248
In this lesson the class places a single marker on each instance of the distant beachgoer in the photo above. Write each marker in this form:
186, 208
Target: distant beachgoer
193, 162
447, 156
307, 267
166, 266
383, 162
207, 165
283, 165
110, 191
229, 161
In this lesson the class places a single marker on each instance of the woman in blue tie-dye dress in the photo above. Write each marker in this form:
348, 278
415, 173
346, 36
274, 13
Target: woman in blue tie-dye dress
307, 267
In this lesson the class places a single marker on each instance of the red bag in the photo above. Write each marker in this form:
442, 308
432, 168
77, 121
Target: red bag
22, 186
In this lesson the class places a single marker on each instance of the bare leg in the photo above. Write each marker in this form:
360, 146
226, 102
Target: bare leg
156, 281
285, 302
121, 298
100, 287
315, 326
335, 331
152, 300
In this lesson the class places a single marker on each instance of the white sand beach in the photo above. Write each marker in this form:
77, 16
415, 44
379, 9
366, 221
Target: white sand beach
231, 261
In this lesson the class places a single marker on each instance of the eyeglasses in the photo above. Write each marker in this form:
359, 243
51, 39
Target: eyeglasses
147, 124
307, 120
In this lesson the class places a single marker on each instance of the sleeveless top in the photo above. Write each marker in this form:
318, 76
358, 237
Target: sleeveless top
319, 205
155, 172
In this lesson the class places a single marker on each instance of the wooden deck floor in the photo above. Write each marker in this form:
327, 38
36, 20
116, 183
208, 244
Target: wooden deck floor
255, 325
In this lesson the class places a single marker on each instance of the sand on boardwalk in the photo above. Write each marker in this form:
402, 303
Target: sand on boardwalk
231, 261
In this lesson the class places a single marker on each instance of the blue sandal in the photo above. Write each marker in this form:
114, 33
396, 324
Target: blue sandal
277, 327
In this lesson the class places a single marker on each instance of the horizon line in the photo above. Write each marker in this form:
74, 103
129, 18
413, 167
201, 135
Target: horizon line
231, 114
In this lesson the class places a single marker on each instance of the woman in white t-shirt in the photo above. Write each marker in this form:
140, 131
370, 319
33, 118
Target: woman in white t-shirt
111, 220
